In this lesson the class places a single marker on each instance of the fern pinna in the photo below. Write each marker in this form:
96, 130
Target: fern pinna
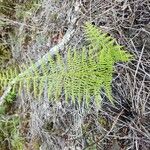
81, 75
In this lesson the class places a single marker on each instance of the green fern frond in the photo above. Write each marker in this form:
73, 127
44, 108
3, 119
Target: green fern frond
82, 75
7, 75
101, 41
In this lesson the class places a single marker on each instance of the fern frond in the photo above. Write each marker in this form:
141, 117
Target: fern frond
101, 41
7, 75
98, 39
82, 75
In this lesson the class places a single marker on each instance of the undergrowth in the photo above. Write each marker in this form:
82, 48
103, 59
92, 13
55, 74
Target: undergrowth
10, 137
29, 32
